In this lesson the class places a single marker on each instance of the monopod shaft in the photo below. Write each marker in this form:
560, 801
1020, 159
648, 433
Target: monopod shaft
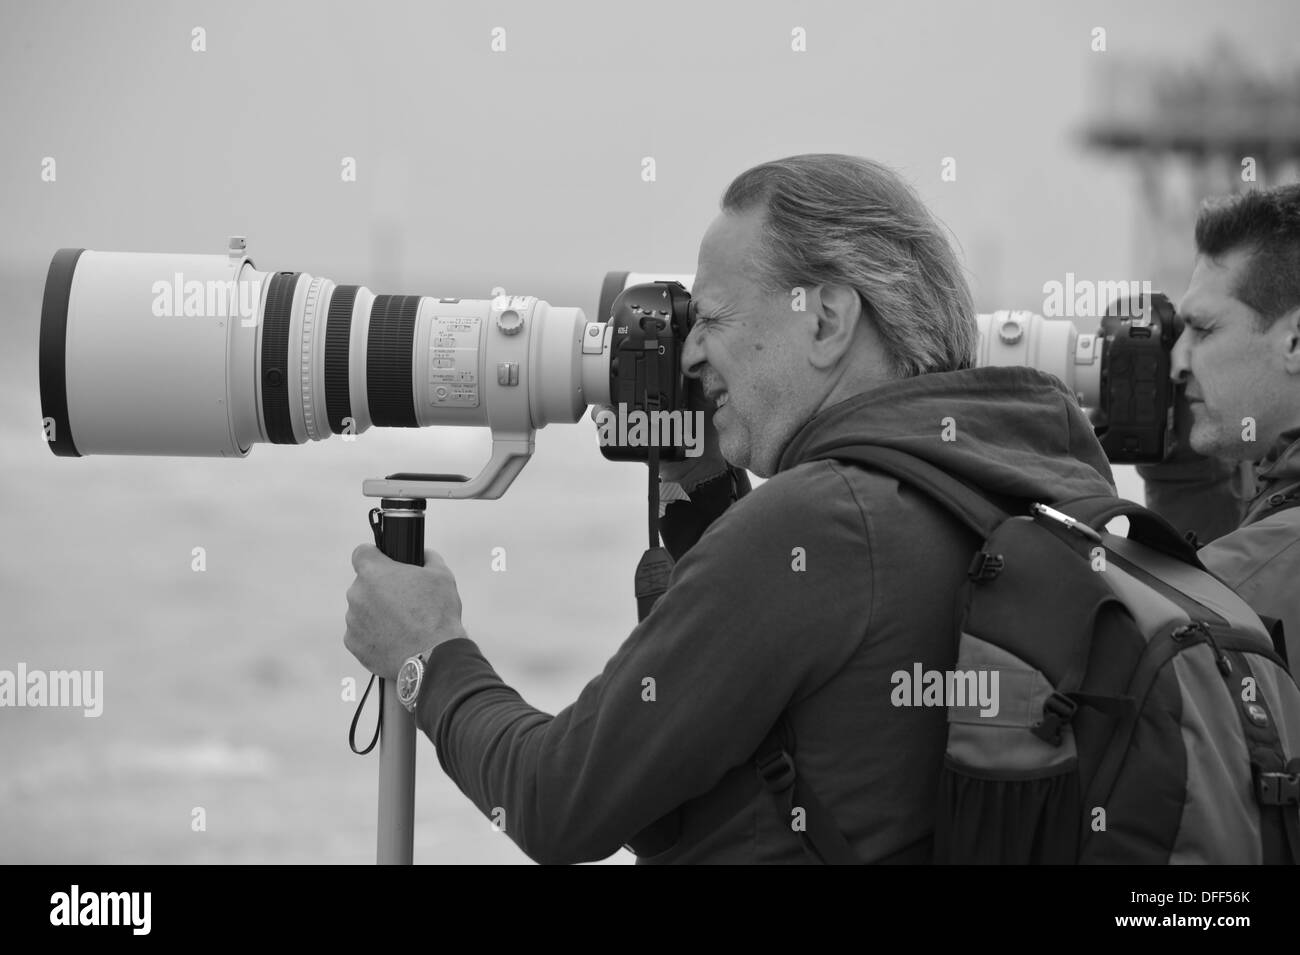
401, 536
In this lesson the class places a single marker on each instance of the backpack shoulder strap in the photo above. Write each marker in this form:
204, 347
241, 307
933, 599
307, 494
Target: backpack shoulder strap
1145, 526
819, 835
821, 838
973, 507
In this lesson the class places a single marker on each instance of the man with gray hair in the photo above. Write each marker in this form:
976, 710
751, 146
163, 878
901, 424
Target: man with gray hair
832, 311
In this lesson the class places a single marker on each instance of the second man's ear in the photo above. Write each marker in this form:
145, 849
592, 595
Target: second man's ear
1291, 340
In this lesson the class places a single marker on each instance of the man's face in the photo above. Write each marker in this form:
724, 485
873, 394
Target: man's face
748, 348
1233, 371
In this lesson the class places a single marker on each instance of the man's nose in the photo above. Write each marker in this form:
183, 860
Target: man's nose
1179, 358
693, 354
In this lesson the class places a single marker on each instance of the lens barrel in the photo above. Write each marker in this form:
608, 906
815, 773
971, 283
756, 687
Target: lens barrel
162, 354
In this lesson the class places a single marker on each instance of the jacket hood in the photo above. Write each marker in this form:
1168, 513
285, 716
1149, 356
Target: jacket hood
1011, 431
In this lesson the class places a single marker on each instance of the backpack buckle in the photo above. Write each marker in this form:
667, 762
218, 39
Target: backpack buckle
777, 771
986, 566
1058, 710
1277, 789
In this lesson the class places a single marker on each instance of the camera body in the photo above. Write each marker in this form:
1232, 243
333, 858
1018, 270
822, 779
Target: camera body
1134, 419
649, 324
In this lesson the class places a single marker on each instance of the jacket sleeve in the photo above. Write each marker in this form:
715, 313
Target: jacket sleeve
1195, 496
746, 627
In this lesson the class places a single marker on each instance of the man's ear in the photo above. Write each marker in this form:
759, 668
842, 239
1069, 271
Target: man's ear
838, 311
1287, 332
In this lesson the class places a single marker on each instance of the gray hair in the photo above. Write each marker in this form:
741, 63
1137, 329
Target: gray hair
833, 219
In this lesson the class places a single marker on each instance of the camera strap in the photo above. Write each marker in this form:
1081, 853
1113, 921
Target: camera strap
656, 564
376, 525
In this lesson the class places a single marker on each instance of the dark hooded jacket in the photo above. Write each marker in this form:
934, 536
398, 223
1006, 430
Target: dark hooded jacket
803, 598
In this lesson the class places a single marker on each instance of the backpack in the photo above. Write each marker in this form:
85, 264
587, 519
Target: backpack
1145, 714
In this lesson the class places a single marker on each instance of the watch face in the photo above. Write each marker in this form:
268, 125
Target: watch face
407, 679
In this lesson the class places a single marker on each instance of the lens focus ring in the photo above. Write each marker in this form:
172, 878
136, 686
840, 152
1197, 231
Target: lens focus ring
389, 378
338, 334
275, 358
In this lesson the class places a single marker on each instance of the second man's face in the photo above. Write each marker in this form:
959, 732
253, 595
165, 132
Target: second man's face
1231, 369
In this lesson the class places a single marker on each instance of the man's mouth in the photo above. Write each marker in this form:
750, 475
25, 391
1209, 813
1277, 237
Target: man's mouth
720, 399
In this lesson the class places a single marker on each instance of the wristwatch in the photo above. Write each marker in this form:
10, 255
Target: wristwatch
410, 678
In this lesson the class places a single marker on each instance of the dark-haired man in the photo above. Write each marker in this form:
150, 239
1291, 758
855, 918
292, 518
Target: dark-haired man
1239, 357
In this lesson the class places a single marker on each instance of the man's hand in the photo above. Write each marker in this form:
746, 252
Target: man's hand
397, 610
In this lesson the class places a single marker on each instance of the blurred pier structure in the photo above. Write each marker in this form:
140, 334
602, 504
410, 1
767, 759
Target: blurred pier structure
1192, 129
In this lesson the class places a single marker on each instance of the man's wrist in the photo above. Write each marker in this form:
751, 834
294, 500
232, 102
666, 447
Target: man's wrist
422, 661
426, 680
